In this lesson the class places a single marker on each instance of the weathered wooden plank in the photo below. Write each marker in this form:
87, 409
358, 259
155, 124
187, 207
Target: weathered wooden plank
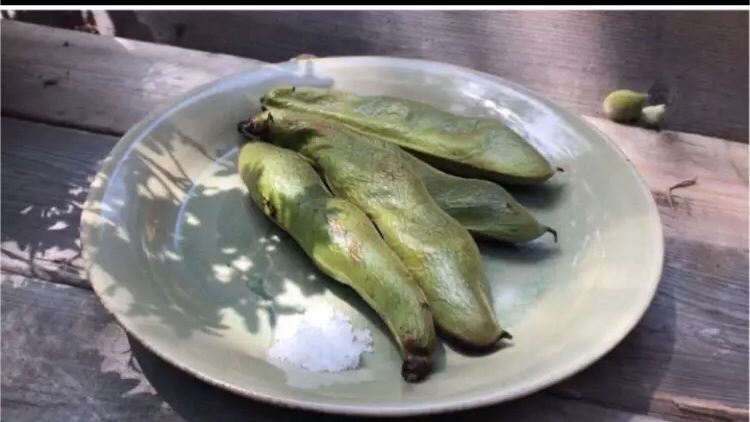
575, 57
691, 345
108, 87
65, 359
92, 371
46, 173
99, 83
688, 357
715, 209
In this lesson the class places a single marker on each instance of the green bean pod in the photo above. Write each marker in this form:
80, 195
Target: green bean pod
344, 244
479, 148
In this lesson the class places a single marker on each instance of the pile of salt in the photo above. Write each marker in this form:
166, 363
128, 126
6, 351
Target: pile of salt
320, 340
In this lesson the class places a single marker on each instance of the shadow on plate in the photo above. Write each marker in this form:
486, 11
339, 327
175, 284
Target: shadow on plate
543, 196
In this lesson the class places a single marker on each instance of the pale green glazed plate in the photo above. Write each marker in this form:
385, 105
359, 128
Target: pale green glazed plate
189, 267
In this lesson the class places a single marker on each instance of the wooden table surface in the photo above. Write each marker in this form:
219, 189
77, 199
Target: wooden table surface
67, 96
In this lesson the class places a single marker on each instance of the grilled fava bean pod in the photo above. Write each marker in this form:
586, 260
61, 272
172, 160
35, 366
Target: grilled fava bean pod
484, 208
344, 244
480, 148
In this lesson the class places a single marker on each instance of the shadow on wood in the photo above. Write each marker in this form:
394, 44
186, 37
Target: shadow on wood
197, 401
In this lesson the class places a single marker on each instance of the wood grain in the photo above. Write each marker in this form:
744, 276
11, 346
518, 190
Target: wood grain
92, 371
98, 83
126, 88
671, 360
715, 209
687, 357
575, 57
46, 172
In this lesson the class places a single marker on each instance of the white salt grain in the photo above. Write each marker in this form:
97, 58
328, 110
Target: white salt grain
320, 340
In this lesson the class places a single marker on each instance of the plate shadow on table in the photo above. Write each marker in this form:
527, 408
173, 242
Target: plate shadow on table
633, 371
631, 374
198, 401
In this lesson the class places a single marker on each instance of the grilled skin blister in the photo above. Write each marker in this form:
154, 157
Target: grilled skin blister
479, 148
441, 254
344, 244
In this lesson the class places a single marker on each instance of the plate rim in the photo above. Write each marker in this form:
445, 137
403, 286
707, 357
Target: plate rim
129, 140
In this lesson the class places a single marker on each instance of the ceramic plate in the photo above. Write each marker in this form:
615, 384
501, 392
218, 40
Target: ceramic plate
193, 270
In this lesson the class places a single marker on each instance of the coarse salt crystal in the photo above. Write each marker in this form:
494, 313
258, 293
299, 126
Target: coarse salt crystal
320, 340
